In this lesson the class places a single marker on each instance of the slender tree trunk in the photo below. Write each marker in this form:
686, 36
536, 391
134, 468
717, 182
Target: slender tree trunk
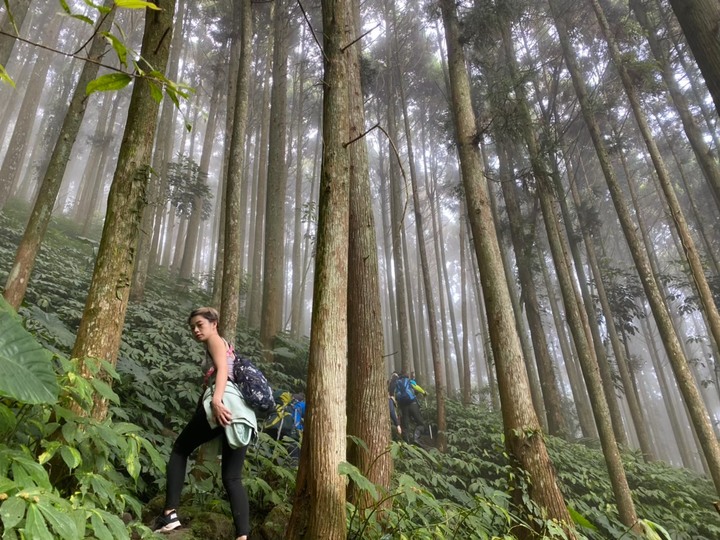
271, 322
494, 394
577, 386
521, 426
196, 217
256, 242
396, 224
233, 209
367, 402
432, 325
319, 506
675, 422
633, 403
101, 325
464, 309
296, 303
548, 381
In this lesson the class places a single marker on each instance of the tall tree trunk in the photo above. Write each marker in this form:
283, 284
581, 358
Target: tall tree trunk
196, 217
432, 325
675, 423
521, 426
319, 506
632, 399
464, 300
229, 306
27, 251
397, 215
677, 358
548, 381
297, 266
367, 402
580, 397
490, 367
150, 231
271, 322
101, 325
699, 20
221, 207
255, 260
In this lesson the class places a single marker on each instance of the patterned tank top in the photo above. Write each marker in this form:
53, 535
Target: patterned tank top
208, 366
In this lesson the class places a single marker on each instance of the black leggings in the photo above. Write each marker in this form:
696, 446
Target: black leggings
197, 432
411, 411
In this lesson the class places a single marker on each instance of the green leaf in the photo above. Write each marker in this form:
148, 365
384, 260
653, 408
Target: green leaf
119, 46
6, 485
60, 522
99, 528
105, 390
12, 511
102, 9
136, 4
49, 452
352, 472
5, 77
115, 525
71, 456
132, 459
35, 525
8, 421
28, 374
107, 83
65, 7
579, 519
84, 19
27, 472
155, 92
155, 457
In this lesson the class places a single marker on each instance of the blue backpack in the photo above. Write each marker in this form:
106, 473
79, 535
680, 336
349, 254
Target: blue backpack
404, 392
253, 385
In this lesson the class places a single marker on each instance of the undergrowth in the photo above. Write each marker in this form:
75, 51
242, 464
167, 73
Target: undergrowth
65, 476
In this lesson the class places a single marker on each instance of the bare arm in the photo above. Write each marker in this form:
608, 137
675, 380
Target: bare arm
218, 351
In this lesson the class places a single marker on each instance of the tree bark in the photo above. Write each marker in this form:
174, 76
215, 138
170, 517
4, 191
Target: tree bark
548, 381
319, 506
102, 322
273, 278
699, 20
229, 307
367, 401
521, 426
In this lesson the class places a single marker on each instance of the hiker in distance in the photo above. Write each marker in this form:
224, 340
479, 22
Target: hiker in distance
405, 395
220, 413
